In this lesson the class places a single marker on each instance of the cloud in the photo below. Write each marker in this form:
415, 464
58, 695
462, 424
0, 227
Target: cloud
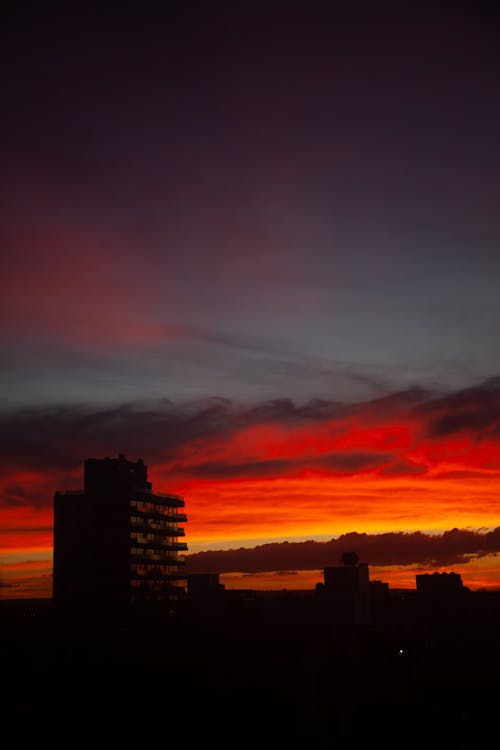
403, 467
339, 462
275, 468
403, 433
60, 436
457, 546
474, 411
13, 495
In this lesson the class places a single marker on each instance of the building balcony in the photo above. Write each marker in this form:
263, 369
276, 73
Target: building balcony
157, 516
157, 575
165, 559
158, 545
169, 501
148, 524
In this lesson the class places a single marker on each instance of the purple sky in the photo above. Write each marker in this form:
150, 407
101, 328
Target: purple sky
248, 201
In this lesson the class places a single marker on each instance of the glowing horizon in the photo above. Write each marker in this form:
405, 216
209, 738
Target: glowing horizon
271, 272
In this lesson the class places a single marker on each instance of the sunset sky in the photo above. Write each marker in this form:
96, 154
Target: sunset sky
256, 245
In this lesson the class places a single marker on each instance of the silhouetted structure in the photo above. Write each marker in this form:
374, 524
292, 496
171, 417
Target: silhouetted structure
347, 588
203, 585
439, 584
441, 597
116, 542
285, 665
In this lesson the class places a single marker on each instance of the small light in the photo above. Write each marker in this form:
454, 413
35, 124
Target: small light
400, 652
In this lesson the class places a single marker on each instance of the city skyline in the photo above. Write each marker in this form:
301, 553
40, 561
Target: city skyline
258, 248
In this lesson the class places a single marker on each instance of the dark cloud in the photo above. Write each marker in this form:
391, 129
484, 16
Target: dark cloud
55, 441
13, 496
472, 410
60, 438
402, 466
218, 470
454, 547
342, 462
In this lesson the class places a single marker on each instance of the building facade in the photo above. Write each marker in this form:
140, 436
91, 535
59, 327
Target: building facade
116, 542
346, 590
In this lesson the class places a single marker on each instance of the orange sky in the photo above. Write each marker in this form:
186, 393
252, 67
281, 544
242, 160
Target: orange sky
399, 464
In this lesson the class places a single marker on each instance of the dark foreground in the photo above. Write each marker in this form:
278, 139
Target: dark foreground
270, 670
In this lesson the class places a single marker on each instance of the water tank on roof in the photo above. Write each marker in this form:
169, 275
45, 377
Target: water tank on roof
349, 558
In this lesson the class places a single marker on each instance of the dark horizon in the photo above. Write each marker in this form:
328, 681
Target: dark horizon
284, 666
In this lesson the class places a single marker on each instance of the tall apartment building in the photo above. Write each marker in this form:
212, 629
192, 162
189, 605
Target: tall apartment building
116, 542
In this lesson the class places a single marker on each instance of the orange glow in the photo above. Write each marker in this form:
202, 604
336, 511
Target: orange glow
368, 471
322, 505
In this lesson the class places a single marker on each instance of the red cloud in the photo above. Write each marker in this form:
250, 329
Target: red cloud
275, 470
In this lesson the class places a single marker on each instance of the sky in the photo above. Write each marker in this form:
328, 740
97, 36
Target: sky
256, 245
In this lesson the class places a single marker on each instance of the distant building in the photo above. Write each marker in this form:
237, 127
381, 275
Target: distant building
439, 584
441, 597
346, 589
203, 585
379, 591
116, 542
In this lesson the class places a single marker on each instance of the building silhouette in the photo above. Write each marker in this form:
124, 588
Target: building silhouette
441, 597
116, 542
204, 586
437, 584
346, 589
